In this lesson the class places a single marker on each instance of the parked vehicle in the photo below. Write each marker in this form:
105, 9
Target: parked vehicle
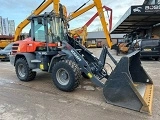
4, 53
149, 48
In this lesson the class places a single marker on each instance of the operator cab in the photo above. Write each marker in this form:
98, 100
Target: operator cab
47, 28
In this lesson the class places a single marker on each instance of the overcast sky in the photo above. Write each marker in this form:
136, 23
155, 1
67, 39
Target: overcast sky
18, 10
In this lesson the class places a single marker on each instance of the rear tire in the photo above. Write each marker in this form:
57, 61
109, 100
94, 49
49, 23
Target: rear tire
66, 75
24, 73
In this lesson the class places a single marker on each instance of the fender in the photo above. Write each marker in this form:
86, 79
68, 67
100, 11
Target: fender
55, 59
27, 56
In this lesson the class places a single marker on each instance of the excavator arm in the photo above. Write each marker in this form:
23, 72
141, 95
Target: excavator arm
82, 31
98, 5
37, 11
79, 12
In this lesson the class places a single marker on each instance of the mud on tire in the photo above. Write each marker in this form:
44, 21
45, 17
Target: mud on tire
66, 75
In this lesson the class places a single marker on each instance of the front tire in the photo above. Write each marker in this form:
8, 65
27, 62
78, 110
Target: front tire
66, 75
24, 73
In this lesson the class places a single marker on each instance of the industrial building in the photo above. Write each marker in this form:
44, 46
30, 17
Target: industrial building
145, 17
96, 36
7, 27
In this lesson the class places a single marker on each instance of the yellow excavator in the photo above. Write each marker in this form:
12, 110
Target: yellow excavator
50, 49
5, 40
79, 32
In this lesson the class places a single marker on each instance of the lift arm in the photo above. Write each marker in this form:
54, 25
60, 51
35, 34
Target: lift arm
37, 11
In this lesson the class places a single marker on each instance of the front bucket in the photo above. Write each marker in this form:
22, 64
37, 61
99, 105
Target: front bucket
129, 85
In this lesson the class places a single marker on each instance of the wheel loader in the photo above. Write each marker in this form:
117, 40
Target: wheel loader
51, 49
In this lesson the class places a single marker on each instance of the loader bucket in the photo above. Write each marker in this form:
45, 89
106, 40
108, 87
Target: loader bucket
129, 86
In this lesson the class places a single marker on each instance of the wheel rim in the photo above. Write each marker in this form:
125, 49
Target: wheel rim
62, 76
21, 70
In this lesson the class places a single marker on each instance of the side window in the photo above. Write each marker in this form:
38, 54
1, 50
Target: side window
51, 35
39, 31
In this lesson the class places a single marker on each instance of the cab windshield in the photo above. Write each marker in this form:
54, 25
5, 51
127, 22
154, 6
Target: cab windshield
53, 28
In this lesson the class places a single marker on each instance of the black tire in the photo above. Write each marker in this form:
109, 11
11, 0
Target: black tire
66, 75
78, 74
85, 76
24, 73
